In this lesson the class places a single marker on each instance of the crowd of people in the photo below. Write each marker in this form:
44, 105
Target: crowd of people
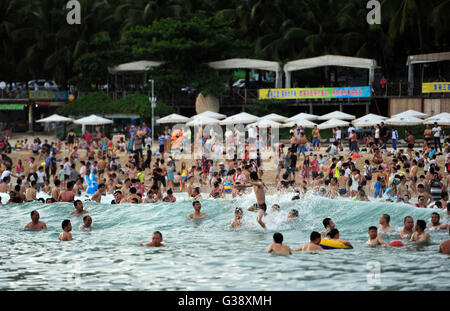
67, 170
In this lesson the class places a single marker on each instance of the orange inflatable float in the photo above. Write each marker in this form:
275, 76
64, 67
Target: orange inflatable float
177, 135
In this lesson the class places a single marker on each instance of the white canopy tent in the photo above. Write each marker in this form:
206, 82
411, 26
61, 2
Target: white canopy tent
300, 121
404, 121
55, 118
332, 123
303, 115
173, 118
138, 66
264, 123
209, 114
337, 115
247, 63
329, 60
274, 117
411, 113
240, 118
200, 121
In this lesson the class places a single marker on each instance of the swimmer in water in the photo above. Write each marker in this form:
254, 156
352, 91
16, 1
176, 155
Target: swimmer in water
435, 222
293, 213
197, 207
275, 208
444, 247
87, 223
384, 224
237, 221
277, 246
35, 223
313, 244
374, 239
419, 235
259, 189
78, 208
65, 235
156, 240
329, 224
408, 228
334, 236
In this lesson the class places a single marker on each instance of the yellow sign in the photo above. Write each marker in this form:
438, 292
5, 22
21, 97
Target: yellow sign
436, 87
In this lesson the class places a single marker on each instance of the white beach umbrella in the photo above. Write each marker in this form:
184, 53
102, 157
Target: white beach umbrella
93, 120
442, 119
371, 115
299, 121
274, 117
240, 118
303, 115
332, 123
404, 121
199, 121
55, 118
173, 118
411, 113
337, 115
210, 114
367, 121
263, 123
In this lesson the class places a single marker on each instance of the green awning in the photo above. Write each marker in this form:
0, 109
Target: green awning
12, 106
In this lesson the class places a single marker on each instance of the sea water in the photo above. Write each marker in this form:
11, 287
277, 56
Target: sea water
207, 254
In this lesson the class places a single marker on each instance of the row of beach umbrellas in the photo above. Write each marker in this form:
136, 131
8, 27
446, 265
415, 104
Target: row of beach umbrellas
333, 119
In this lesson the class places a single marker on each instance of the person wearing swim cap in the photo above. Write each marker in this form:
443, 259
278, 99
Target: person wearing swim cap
374, 239
329, 224
156, 240
78, 208
237, 221
334, 236
259, 189
313, 244
35, 223
408, 228
197, 213
65, 235
419, 235
277, 246
384, 224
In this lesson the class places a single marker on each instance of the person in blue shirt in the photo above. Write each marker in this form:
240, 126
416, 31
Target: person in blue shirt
378, 188
161, 140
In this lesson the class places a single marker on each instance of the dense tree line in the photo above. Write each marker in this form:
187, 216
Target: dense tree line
37, 42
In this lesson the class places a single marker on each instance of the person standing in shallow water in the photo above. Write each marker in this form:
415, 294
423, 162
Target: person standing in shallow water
35, 223
277, 247
156, 240
65, 235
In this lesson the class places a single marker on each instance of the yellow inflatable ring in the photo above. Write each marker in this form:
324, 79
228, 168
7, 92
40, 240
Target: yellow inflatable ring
330, 244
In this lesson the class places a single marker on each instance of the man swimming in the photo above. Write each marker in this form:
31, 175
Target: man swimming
197, 207
78, 208
65, 235
374, 239
87, 223
237, 221
277, 246
35, 223
275, 208
156, 240
334, 235
293, 213
384, 224
435, 222
329, 224
419, 235
313, 244
408, 228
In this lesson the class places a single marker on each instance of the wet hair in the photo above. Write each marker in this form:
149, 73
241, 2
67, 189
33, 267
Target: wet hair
17, 188
41, 200
135, 200
238, 210
333, 232
76, 202
422, 224
276, 206
85, 217
295, 212
65, 223
404, 219
169, 192
326, 222
195, 202
386, 217
278, 237
314, 236
438, 204
133, 190
439, 216
50, 200
372, 228
32, 212
157, 232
